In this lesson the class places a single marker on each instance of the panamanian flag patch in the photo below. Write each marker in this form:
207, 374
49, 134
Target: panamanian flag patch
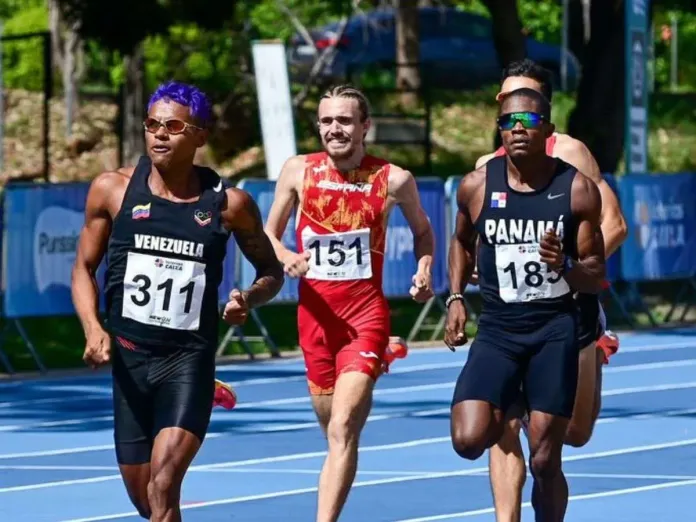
498, 199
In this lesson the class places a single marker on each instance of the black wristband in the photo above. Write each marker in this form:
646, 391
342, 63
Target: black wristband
452, 298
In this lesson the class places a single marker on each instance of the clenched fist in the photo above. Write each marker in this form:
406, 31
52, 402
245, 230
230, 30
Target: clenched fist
297, 265
97, 349
236, 310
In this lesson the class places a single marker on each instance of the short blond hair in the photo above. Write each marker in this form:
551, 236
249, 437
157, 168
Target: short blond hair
350, 92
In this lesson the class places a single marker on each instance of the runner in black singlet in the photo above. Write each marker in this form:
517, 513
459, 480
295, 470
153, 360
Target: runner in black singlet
537, 220
164, 226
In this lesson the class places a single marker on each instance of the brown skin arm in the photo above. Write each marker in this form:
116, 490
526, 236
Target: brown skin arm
588, 273
243, 218
103, 199
462, 254
462, 250
612, 220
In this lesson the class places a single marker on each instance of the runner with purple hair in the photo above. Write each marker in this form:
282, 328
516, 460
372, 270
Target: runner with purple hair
164, 226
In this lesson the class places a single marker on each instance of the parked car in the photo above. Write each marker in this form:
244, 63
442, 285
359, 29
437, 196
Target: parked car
456, 49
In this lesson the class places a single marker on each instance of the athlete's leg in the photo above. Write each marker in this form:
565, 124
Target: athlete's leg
172, 454
487, 386
320, 365
550, 491
587, 398
589, 391
133, 416
350, 408
184, 382
550, 386
507, 473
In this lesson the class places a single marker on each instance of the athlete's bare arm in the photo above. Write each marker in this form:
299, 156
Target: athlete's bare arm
462, 250
287, 194
103, 201
613, 224
462, 253
243, 218
588, 273
404, 191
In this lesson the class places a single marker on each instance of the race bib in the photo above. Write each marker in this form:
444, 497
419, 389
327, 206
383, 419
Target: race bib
522, 277
343, 256
163, 292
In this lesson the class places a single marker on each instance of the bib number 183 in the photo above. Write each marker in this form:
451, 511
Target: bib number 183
522, 277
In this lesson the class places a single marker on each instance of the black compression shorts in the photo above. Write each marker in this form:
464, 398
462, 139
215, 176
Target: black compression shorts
156, 388
544, 362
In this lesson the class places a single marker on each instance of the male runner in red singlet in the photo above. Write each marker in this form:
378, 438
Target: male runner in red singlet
344, 197
507, 464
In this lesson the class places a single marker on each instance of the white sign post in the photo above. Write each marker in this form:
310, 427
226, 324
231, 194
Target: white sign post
275, 105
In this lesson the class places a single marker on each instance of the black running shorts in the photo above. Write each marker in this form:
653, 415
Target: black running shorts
543, 362
156, 388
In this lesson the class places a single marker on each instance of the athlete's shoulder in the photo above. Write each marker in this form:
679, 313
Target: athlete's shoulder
296, 165
111, 181
107, 190
240, 209
398, 177
472, 183
568, 148
584, 193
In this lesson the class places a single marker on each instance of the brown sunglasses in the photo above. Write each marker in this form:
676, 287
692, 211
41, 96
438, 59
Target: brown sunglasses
171, 126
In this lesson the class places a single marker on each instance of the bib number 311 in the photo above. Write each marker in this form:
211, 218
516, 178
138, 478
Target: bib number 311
163, 292
341, 256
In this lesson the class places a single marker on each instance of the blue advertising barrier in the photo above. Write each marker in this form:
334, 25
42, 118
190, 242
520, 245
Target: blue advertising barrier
399, 258
240, 272
661, 242
42, 226
42, 229
661, 219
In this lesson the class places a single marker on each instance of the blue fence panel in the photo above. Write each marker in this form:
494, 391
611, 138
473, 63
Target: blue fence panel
661, 219
42, 229
614, 261
399, 259
262, 191
451, 186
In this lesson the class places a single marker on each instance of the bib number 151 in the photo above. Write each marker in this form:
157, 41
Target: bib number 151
340, 256
336, 251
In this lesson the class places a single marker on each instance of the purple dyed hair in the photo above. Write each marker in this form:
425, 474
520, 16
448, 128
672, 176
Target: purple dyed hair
186, 95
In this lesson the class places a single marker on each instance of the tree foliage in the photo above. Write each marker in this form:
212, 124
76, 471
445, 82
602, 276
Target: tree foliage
120, 26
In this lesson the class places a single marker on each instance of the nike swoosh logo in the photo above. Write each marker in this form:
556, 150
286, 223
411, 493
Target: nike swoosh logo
219, 187
554, 196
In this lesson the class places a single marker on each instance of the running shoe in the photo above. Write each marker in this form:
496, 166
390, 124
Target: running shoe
225, 395
397, 349
609, 344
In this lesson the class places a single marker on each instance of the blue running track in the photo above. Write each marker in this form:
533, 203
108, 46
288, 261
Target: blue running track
261, 461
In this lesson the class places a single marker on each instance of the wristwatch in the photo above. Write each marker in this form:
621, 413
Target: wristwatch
568, 264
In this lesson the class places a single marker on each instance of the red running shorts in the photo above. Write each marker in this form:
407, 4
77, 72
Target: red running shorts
337, 337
